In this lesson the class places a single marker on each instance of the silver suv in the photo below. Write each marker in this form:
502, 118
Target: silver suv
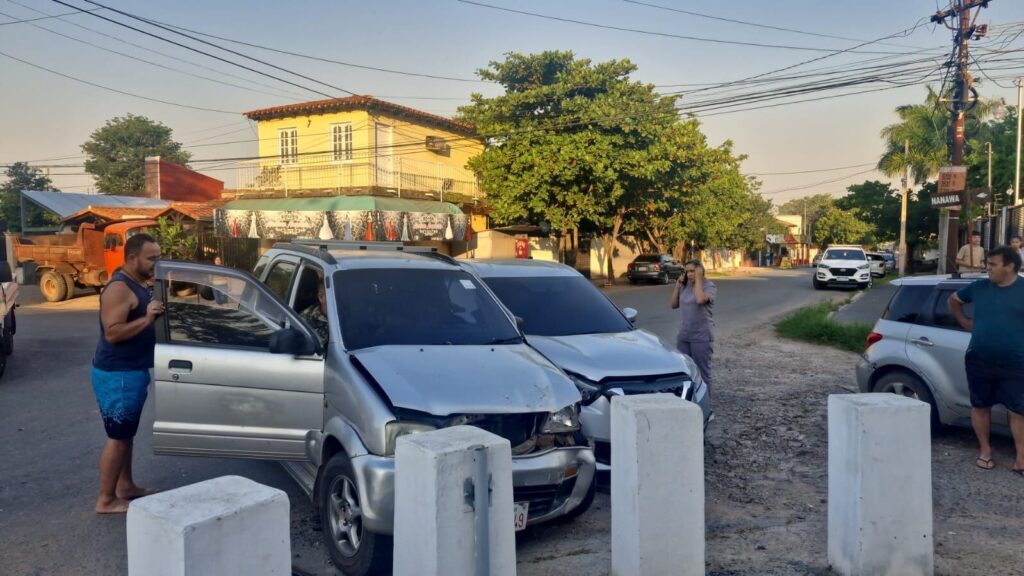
328, 355
917, 348
579, 329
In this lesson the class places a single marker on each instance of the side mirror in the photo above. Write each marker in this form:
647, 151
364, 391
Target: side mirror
520, 323
630, 314
290, 341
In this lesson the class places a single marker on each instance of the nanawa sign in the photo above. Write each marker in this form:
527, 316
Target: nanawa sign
951, 200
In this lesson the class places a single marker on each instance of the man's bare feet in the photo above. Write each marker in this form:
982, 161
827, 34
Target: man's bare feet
135, 492
115, 506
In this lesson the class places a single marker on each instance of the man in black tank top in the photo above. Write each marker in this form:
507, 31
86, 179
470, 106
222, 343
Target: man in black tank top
120, 368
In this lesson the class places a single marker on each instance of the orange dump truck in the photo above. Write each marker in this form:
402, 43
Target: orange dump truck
87, 258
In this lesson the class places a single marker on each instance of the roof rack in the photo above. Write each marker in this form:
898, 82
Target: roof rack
322, 247
321, 253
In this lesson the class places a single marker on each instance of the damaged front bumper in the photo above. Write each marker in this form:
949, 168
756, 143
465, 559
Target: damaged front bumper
554, 481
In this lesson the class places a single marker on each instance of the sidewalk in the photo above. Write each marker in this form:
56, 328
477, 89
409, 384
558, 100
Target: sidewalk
867, 307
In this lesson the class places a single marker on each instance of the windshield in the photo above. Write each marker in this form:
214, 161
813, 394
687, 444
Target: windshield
402, 306
648, 258
559, 305
844, 254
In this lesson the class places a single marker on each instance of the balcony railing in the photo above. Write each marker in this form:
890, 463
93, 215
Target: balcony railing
323, 172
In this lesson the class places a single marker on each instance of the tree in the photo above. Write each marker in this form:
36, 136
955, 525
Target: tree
176, 243
569, 141
21, 176
116, 153
876, 203
810, 207
840, 227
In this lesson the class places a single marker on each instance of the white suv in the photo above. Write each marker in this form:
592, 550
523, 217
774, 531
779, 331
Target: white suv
843, 266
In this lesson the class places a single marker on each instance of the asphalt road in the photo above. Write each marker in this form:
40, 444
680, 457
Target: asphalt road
51, 434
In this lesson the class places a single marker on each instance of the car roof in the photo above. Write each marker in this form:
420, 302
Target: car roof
519, 267
349, 258
935, 279
845, 246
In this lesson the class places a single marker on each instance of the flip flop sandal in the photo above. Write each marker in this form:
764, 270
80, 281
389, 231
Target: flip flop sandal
1018, 472
985, 463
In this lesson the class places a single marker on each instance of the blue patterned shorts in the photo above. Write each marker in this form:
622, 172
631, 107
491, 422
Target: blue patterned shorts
120, 396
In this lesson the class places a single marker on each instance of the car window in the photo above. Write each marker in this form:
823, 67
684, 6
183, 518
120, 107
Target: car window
559, 305
906, 304
941, 316
261, 265
647, 258
876, 258
418, 307
280, 279
220, 311
843, 254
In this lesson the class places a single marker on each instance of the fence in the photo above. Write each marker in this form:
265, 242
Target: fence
998, 229
241, 253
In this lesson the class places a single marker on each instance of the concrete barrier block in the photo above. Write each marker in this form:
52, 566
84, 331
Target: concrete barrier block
435, 530
879, 486
657, 486
227, 526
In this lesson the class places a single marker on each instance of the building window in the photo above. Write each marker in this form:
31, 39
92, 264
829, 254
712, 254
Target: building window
341, 141
289, 138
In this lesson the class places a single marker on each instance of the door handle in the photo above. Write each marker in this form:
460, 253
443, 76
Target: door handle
180, 366
922, 341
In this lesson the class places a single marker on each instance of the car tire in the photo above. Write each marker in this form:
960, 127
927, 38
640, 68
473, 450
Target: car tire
585, 504
52, 285
70, 283
353, 549
663, 278
906, 384
632, 281
818, 285
5, 272
8, 337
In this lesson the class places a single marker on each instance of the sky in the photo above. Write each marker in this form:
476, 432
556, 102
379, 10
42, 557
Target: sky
832, 142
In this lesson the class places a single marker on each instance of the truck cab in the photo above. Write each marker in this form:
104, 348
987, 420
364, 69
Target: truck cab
114, 237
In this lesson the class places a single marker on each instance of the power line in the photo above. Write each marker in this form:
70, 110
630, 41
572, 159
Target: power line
180, 45
43, 18
811, 171
122, 92
746, 23
662, 34
823, 182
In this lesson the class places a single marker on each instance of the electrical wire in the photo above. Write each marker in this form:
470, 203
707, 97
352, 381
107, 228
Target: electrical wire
43, 18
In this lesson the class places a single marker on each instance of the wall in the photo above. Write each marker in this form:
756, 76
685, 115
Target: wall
490, 244
176, 183
624, 254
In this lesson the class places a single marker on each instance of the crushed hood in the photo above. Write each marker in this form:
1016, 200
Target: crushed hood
616, 355
443, 380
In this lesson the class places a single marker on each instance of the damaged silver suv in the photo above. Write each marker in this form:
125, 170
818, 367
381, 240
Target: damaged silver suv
329, 354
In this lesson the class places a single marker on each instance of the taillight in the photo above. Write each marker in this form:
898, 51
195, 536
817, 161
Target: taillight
872, 338
657, 266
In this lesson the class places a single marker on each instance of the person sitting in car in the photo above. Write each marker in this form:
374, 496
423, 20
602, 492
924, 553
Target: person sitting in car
316, 314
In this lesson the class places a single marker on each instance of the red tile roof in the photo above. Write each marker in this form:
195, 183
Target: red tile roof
358, 103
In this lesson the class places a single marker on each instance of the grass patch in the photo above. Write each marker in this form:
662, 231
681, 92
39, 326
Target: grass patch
813, 324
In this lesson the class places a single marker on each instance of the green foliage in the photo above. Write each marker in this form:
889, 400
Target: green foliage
582, 146
811, 207
176, 243
838, 226
116, 153
876, 204
814, 324
21, 176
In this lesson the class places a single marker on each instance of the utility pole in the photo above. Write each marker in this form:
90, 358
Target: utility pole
903, 210
991, 198
965, 31
1016, 178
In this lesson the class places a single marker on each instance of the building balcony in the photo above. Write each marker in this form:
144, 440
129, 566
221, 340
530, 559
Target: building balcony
322, 174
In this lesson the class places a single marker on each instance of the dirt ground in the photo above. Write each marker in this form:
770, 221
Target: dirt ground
767, 479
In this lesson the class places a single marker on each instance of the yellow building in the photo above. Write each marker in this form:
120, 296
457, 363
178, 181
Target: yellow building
360, 145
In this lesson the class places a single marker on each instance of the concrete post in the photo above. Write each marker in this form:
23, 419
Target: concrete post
228, 526
443, 524
657, 486
879, 485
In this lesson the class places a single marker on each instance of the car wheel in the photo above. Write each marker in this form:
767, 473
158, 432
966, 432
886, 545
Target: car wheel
663, 278
908, 385
818, 285
8, 341
353, 548
585, 504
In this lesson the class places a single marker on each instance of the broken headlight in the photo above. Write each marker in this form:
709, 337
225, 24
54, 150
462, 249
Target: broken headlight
565, 420
396, 429
589, 391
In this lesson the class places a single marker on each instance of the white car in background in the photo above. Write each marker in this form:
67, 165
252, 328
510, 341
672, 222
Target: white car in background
843, 266
879, 267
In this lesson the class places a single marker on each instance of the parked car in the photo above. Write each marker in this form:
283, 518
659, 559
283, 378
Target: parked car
916, 349
657, 267
573, 324
413, 343
878, 266
843, 266
890, 261
8, 322
816, 259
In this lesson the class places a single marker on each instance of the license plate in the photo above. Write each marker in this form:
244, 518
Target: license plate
520, 511
643, 268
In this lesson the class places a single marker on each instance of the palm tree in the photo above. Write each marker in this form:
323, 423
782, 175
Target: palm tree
926, 127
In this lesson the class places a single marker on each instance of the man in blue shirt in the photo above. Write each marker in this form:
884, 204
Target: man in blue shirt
995, 356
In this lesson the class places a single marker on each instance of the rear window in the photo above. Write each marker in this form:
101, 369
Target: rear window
648, 258
906, 304
844, 254
942, 317
876, 257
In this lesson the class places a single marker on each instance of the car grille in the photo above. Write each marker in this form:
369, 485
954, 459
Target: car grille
516, 428
545, 498
681, 386
843, 271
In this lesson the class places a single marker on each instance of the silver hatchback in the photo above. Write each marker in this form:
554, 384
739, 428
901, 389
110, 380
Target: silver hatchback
916, 349
576, 327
